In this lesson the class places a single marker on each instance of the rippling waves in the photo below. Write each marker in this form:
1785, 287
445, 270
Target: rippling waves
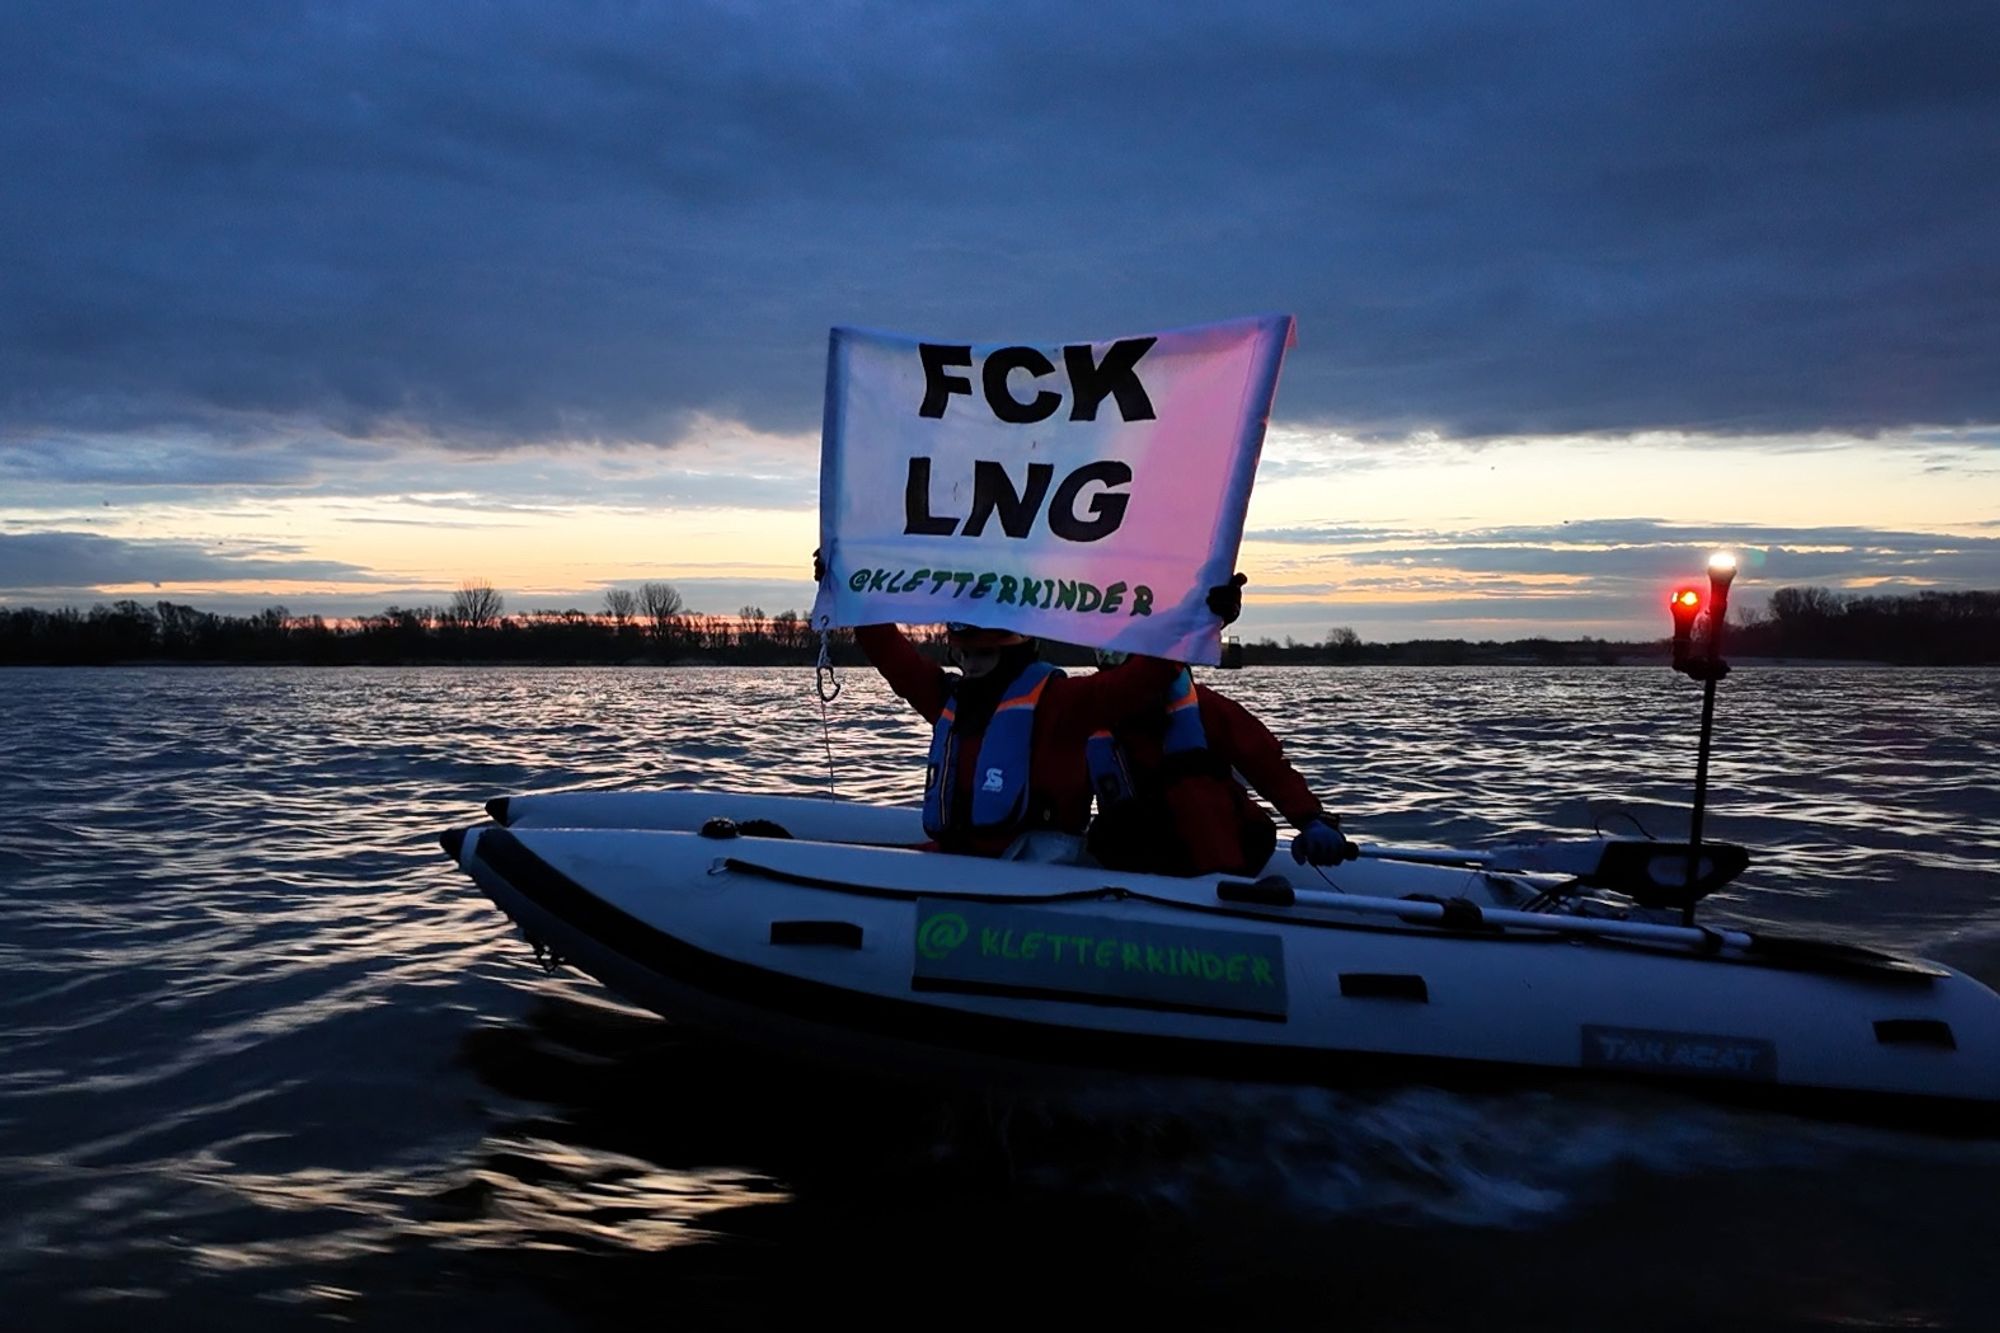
270, 1059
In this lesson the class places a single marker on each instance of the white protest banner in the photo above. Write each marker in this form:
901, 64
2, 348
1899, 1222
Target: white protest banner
1088, 492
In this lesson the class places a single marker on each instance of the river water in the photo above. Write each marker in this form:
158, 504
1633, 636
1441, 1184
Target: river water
268, 1060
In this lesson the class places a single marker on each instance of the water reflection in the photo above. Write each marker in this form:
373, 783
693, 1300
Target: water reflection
270, 1058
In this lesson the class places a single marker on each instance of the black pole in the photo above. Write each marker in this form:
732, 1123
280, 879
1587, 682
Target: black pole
1700, 792
1711, 669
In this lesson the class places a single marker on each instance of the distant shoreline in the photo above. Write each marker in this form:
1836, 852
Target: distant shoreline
1803, 626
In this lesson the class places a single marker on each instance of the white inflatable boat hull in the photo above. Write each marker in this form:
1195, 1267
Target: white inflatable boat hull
930, 961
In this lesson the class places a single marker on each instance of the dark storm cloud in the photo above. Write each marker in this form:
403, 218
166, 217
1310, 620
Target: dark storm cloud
44, 563
707, 472
525, 221
163, 465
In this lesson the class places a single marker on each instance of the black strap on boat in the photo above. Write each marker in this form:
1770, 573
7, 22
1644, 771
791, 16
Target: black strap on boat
1462, 914
1915, 1032
1459, 913
840, 934
1384, 986
1274, 891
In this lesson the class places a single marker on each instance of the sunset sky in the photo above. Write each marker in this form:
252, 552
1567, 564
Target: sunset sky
339, 306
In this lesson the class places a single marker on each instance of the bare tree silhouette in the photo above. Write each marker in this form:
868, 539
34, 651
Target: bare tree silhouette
477, 605
661, 604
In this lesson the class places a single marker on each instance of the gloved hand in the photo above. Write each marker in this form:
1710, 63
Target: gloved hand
819, 567
1322, 843
1226, 599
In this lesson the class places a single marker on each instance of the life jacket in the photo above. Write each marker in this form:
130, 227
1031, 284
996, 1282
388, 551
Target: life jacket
1193, 817
1110, 774
1000, 800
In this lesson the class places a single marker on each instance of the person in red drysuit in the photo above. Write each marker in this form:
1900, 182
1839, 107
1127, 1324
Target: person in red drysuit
1169, 801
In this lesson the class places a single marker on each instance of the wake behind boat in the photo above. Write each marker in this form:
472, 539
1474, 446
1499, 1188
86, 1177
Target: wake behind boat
829, 935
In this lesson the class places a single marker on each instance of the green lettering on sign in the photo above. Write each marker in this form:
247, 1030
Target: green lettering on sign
1105, 959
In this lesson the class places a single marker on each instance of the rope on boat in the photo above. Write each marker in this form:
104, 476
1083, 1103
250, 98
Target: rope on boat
1106, 893
1329, 879
827, 686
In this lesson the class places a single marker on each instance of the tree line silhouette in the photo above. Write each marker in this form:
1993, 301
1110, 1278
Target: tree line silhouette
1930, 628
653, 624
1799, 624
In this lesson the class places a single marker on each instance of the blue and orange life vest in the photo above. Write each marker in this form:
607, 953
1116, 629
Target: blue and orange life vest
1000, 800
1110, 775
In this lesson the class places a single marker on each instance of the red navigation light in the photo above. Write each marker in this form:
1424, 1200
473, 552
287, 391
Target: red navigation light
1685, 603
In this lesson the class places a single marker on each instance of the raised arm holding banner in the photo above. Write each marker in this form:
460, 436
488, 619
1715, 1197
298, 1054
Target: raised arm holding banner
1091, 492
